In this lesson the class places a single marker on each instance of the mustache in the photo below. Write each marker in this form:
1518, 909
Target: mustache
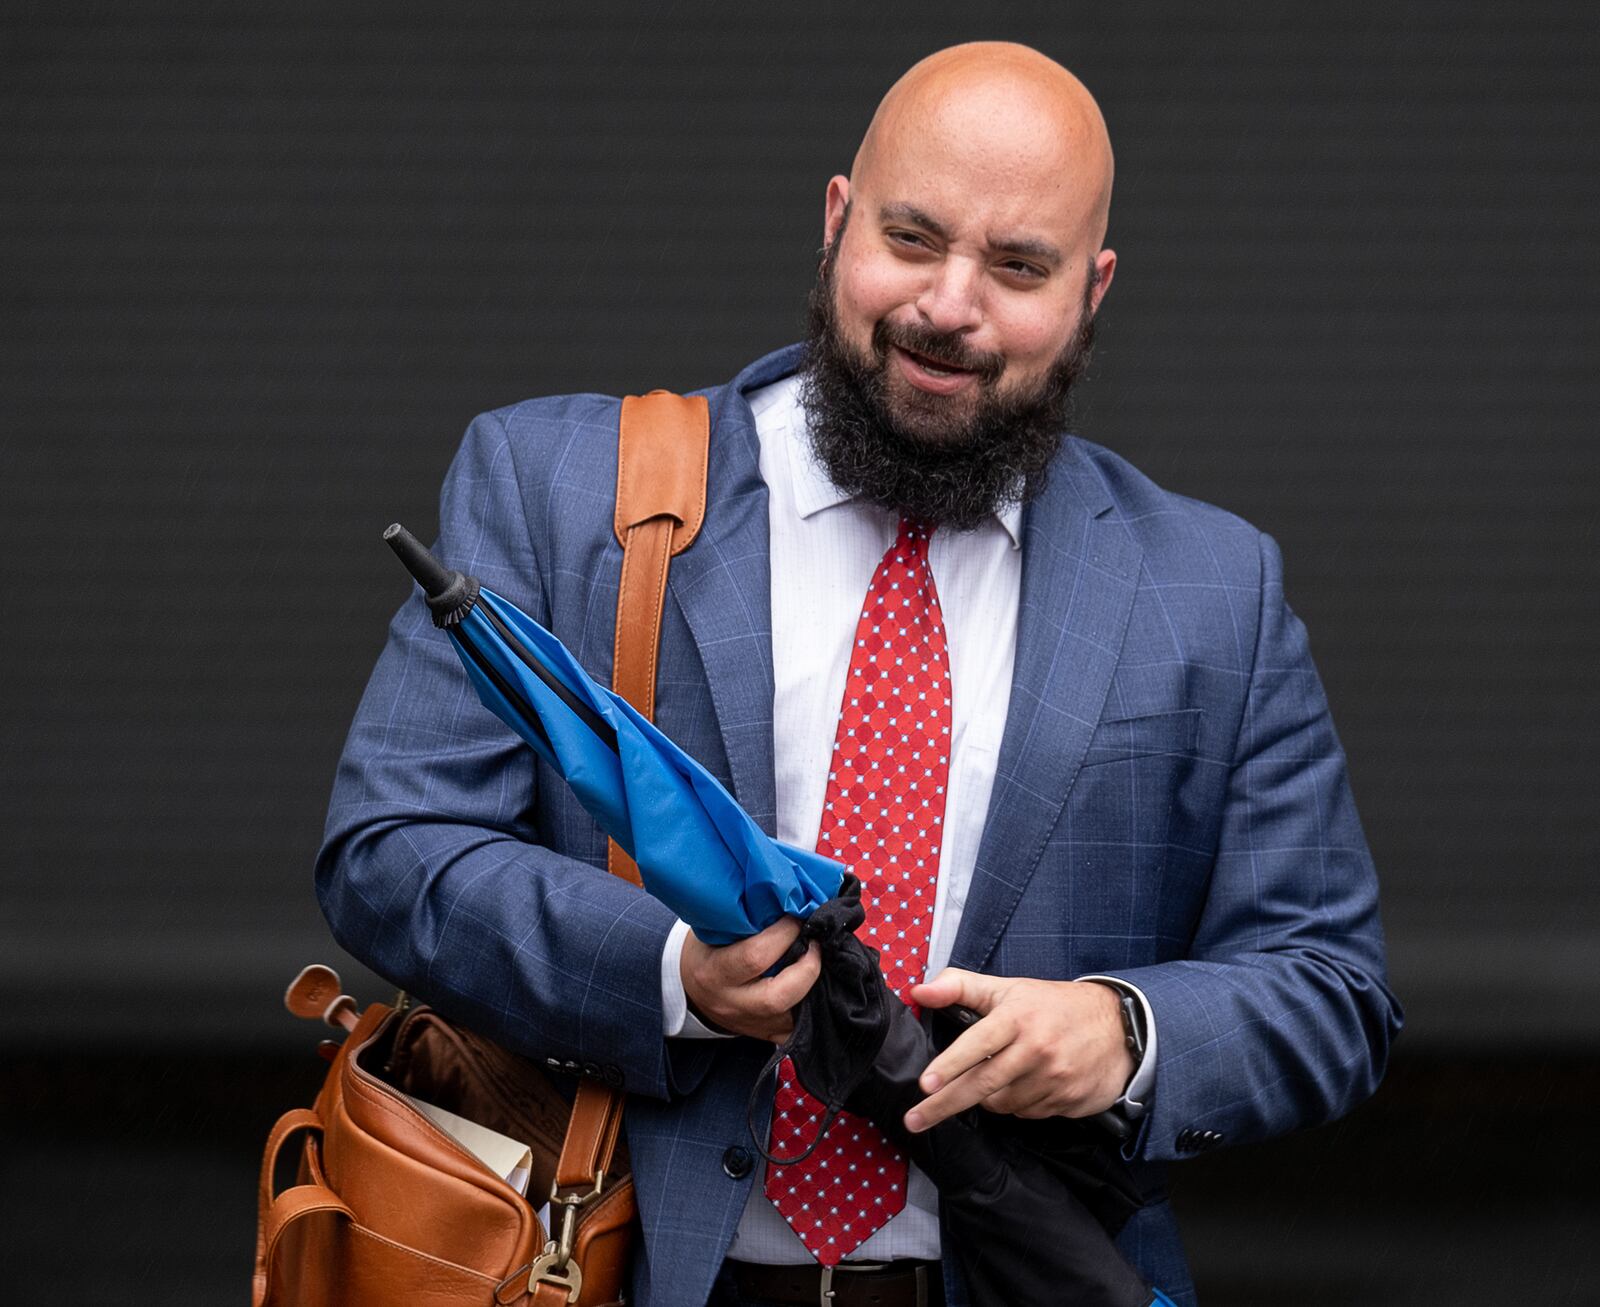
946, 348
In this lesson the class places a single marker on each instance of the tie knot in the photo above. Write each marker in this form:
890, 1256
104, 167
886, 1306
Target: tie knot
915, 534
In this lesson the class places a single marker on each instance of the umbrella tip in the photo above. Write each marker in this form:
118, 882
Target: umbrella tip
451, 595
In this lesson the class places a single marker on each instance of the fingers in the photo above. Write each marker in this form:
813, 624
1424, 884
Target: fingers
782, 991
1046, 1048
728, 985
975, 1045
953, 985
1028, 1098
943, 990
989, 1078
746, 960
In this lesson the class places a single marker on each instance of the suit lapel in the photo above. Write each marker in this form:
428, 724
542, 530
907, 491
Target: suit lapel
1080, 570
722, 585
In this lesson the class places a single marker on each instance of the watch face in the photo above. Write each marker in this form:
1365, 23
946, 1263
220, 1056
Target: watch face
1132, 1023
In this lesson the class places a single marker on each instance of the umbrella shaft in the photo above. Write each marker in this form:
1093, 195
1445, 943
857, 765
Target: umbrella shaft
579, 709
506, 689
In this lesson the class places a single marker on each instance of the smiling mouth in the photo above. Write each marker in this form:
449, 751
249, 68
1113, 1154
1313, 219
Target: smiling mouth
934, 366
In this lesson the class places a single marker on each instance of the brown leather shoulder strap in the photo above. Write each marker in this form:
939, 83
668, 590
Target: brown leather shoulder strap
663, 445
662, 449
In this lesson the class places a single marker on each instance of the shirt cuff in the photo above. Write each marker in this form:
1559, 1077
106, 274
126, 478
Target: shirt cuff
1135, 1100
677, 1022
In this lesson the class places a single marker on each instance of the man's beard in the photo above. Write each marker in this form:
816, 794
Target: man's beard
919, 455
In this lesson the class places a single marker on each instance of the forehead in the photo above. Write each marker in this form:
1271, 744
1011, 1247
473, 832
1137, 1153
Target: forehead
994, 162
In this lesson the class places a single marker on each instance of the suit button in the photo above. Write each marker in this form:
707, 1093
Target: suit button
737, 1162
592, 1070
554, 1063
1184, 1141
612, 1076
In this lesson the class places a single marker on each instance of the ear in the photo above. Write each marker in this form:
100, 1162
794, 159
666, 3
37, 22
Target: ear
838, 199
1105, 264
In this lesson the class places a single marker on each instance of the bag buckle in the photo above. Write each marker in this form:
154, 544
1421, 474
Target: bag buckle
551, 1268
556, 1264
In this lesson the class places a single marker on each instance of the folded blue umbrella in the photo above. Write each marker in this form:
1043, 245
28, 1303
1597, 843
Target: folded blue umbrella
697, 850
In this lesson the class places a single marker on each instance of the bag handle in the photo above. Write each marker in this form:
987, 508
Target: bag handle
288, 1125
294, 1204
663, 450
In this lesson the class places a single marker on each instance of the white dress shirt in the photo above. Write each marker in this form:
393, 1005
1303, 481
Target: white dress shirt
825, 547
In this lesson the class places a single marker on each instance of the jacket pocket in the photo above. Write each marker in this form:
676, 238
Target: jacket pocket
1150, 734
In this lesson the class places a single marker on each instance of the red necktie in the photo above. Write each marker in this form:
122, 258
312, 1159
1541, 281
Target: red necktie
883, 818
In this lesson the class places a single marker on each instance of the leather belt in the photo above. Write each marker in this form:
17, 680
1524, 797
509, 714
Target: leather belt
850, 1284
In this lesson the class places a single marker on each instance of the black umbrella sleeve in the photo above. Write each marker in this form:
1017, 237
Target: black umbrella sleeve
840, 1024
1028, 1206
1026, 1226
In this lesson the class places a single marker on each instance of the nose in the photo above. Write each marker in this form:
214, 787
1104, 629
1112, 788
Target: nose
949, 301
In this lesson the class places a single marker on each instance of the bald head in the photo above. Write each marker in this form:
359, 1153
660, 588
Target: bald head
964, 252
1005, 113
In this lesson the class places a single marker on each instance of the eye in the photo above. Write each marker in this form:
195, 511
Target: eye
1020, 271
908, 239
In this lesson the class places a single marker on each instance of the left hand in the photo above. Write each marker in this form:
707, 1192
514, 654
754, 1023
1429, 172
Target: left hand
1043, 1048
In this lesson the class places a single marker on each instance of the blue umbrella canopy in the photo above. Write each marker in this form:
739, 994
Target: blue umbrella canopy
697, 850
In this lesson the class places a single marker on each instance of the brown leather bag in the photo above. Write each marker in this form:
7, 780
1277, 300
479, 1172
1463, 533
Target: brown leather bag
388, 1208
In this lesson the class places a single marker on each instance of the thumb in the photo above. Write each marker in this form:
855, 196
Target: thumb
953, 985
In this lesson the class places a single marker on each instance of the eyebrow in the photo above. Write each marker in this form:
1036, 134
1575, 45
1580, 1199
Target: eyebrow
1026, 246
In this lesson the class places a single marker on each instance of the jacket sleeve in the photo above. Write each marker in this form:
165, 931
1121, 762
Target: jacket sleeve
1280, 1016
432, 870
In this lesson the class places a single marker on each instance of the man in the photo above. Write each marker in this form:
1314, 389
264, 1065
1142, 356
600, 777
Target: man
1114, 804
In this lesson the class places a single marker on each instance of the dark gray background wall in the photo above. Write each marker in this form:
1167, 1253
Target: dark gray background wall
259, 264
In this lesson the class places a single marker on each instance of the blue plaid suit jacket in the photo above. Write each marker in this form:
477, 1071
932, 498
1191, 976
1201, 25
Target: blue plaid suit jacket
1170, 807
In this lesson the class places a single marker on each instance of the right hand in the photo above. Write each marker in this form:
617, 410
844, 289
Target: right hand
726, 986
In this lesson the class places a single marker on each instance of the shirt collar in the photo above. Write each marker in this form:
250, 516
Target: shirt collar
814, 491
